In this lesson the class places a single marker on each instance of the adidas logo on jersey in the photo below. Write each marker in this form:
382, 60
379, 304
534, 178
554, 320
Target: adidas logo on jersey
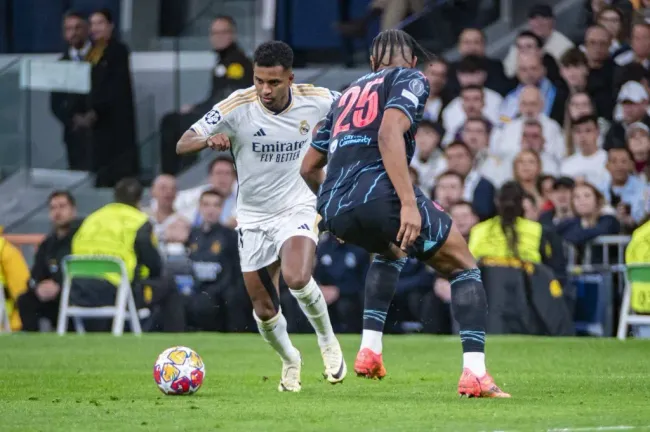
304, 227
260, 133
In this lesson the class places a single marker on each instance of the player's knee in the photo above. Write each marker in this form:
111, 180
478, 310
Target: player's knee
297, 279
265, 309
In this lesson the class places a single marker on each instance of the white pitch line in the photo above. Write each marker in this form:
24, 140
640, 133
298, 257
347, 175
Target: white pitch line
598, 428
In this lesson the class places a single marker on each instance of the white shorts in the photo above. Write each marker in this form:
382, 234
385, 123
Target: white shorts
260, 246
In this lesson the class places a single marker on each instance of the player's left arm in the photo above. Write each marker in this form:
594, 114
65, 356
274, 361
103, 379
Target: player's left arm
404, 106
315, 160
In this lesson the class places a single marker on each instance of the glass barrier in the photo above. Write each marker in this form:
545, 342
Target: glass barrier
13, 131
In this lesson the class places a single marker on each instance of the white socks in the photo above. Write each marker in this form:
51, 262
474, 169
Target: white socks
274, 331
372, 339
475, 362
313, 305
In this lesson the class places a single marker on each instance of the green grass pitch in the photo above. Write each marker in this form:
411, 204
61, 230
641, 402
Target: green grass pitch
102, 383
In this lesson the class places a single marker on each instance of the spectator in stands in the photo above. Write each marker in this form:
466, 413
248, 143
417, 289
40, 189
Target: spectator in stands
574, 70
390, 12
622, 190
472, 105
121, 230
589, 221
13, 280
439, 95
528, 42
74, 111
464, 217
509, 234
448, 189
530, 206
600, 82
595, 7
640, 42
541, 22
477, 189
579, 105
112, 116
476, 134
223, 179
233, 71
471, 42
638, 141
506, 142
634, 99
41, 301
588, 162
613, 19
168, 225
532, 139
340, 272
470, 73
561, 198
217, 301
545, 185
428, 160
531, 72
527, 167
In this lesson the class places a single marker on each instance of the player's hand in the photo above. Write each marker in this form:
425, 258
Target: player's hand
219, 142
410, 224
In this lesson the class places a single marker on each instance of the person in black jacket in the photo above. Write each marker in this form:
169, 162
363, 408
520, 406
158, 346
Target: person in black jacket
42, 298
73, 110
217, 300
233, 71
115, 149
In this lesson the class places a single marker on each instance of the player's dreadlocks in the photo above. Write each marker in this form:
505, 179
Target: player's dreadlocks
395, 42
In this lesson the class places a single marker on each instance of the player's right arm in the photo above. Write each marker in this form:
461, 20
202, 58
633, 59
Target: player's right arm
212, 130
405, 103
315, 159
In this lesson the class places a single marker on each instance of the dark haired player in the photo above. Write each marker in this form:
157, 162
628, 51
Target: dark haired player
366, 198
267, 128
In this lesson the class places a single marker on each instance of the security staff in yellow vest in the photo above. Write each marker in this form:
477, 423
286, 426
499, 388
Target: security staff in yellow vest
14, 275
509, 235
120, 229
638, 252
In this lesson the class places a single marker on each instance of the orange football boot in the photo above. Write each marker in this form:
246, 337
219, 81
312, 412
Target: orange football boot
472, 386
369, 364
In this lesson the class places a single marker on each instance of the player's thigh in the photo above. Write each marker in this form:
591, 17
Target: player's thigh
257, 249
262, 288
372, 226
453, 256
296, 238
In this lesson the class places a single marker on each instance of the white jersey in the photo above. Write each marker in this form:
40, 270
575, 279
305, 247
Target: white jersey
268, 148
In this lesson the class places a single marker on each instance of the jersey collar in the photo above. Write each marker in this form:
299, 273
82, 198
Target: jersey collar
283, 110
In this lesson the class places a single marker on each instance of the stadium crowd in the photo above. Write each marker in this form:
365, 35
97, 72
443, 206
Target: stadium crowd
547, 147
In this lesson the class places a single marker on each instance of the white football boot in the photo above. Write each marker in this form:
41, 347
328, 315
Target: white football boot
335, 367
290, 381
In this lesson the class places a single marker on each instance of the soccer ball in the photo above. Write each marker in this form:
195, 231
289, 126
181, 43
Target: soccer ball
179, 371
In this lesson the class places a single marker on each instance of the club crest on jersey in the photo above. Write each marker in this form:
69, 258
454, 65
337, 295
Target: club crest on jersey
416, 87
304, 127
213, 117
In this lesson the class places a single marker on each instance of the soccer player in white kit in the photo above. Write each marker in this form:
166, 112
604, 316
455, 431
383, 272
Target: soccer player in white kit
268, 129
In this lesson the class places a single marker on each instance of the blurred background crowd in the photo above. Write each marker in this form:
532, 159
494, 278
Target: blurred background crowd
536, 139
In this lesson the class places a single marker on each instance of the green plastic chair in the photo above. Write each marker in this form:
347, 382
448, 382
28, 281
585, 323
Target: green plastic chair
95, 267
635, 273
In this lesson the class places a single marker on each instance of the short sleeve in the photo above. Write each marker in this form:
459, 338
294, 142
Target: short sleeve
321, 141
408, 93
220, 118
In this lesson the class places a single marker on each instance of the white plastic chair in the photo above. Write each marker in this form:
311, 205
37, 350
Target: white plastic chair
635, 273
95, 267
5, 325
